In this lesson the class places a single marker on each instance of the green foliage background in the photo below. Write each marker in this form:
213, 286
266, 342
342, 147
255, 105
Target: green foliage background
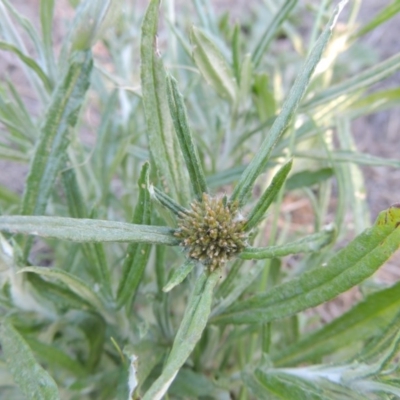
113, 308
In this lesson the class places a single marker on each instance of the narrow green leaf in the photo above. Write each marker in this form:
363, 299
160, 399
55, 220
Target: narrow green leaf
162, 140
365, 320
91, 19
356, 262
194, 385
350, 156
58, 294
387, 340
225, 177
179, 275
189, 333
311, 243
13, 155
266, 107
31, 378
236, 54
166, 201
50, 150
46, 22
74, 283
374, 102
30, 62
368, 386
271, 31
55, 358
213, 65
137, 254
385, 14
25, 118
11, 34
14, 115
308, 178
314, 383
228, 284
246, 78
257, 213
87, 230
277, 386
93, 252
144, 357
255, 386
8, 196
16, 132
104, 151
265, 102
94, 327
182, 39
289, 107
179, 116
240, 284
354, 182
160, 267
206, 15
75, 200
361, 81
318, 18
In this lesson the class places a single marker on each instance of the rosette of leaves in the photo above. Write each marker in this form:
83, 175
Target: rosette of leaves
211, 230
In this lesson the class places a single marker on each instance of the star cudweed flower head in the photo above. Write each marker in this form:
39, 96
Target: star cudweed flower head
212, 232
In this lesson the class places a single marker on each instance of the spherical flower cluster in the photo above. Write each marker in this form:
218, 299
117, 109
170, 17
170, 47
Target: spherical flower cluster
211, 231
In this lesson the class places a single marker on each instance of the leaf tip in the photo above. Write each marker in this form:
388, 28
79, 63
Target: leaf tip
338, 10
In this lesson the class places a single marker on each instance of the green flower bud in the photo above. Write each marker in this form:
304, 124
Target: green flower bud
212, 231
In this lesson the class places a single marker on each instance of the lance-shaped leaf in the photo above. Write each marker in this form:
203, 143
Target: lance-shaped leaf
386, 13
50, 150
365, 320
162, 139
362, 80
137, 254
241, 283
382, 342
166, 201
225, 177
90, 21
378, 101
179, 275
30, 62
268, 197
308, 178
189, 333
32, 379
307, 244
301, 383
75, 284
350, 156
356, 262
213, 65
178, 113
271, 31
289, 107
236, 53
56, 358
46, 22
12, 23
94, 253
275, 387
94, 327
58, 294
87, 230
